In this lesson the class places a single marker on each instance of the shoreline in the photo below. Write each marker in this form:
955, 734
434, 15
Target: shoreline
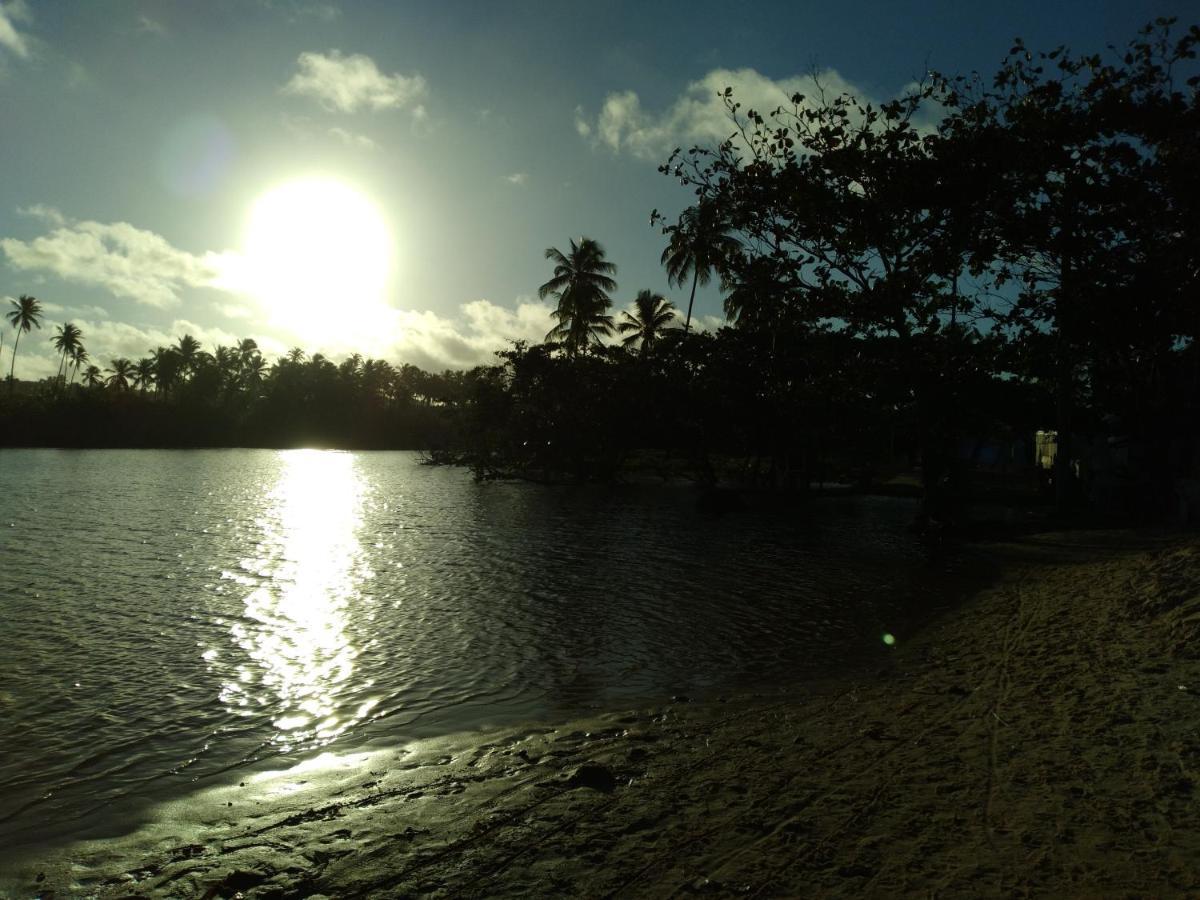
1041, 737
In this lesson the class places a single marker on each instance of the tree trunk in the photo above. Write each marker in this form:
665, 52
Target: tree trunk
687, 325
1064, 476
12, 382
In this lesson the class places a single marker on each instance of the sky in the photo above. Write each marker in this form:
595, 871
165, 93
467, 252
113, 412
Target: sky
385, 177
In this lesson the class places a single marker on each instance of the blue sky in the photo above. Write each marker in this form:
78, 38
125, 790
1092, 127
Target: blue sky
139, 136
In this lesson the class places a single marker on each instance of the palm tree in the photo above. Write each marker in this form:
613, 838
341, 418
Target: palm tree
246, 348
188, 350
78, 357
91, 376
254, 369
351, 366
65, 340
295, 355
122, 373
167, 366
581, 284
228, 362
652, 314
143, 373
699, 246
755, 300
376, 376
25, 314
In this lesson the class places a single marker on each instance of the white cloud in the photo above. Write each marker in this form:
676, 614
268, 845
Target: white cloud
698, 116
350, 83
70, 313
436, 343
43, 212
517, 178
353, 139
12, 12
147, 25
581, 123
127, 261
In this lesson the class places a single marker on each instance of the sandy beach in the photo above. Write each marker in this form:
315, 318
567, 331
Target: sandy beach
1040, 739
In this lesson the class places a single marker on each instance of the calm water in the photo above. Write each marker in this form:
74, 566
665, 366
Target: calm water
173, 618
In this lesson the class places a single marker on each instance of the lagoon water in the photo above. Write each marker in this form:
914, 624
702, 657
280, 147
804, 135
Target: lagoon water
169, 619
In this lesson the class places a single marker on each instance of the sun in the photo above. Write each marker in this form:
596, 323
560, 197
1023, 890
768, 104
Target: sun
319, 257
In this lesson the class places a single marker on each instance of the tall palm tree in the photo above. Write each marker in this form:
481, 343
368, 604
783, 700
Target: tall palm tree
755, 301
167, 366
66, 339
122, 373
652, 313
25, 314
228, 362
92, 376
699, 246
581, 284
188, 349
246, 348
295, 355
254, 369
78, 357
376, 376
143, 373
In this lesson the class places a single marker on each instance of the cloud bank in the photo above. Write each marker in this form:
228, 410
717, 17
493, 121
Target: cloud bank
471, 338
126, 261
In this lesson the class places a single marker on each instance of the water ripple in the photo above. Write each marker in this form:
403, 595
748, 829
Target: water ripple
172, 615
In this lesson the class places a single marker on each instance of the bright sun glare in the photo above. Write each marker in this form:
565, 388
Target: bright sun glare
319, 256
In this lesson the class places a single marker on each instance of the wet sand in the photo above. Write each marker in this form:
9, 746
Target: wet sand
1043, 738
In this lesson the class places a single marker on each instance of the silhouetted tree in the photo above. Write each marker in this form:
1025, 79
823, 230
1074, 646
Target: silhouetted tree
143, 373
122, 373
66, 339
581, 284
830, 198
188, 350
168, 365
1095, 221
79, 356
652, 314
26, 314
699, 244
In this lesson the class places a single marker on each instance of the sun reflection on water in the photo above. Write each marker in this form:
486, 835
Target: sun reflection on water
308, 568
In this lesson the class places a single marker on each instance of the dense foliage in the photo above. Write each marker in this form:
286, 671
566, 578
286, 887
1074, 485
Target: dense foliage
182, 396
905, 284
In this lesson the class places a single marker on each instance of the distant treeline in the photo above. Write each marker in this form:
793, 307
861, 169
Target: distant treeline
905, 284
232, 398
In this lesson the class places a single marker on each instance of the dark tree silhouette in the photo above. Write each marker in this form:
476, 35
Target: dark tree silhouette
25, 315
122, 374
581, 284
66, 339
78, 357
143, 373
168, 368
830, 199
650, 318
699, 244
93, 377
188, 350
